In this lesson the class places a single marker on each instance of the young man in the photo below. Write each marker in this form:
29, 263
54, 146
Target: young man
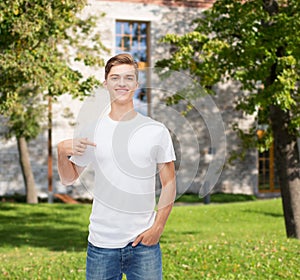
126, 151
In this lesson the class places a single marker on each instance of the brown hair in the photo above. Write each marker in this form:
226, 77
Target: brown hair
122, 58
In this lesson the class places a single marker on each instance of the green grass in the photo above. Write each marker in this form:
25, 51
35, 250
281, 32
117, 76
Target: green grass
218, 241
185, 198
216, 198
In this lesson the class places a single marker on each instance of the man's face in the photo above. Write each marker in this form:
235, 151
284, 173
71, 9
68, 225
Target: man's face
121, 83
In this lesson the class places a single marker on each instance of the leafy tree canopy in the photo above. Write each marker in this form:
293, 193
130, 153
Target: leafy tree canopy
255, 42
39, 41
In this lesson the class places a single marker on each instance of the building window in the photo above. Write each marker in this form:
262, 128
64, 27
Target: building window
133, 37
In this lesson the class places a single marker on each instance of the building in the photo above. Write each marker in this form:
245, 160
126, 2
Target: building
137, 26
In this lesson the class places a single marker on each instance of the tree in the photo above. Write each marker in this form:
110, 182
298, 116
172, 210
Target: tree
39, 41
255, 42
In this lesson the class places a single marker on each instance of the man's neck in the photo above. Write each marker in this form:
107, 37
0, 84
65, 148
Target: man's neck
122, 112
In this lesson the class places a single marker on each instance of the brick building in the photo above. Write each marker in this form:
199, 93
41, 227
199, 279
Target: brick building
137, 26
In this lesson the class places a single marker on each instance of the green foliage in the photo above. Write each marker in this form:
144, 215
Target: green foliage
27, 108
225, 241
39, 40
251, 42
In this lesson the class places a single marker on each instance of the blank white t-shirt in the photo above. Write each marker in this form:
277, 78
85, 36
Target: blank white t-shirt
125, 164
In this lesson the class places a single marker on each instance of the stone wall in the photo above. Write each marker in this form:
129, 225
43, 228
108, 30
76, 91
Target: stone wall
163, 19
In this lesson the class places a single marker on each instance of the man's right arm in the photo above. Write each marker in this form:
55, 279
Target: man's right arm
67, 170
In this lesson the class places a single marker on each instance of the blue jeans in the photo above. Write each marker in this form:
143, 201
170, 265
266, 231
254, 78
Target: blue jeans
137, 263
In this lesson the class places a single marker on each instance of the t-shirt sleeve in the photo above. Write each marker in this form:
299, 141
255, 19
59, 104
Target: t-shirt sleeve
165, 151
87, 157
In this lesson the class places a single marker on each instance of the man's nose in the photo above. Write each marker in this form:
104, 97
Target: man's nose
122, 82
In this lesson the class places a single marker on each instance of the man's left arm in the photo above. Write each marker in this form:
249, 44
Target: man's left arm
165, 205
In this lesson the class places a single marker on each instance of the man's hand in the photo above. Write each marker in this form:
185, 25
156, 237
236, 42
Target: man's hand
149, 237
80, 145
74, 147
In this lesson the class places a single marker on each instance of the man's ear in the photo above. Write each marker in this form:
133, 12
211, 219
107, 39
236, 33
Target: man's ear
105, 84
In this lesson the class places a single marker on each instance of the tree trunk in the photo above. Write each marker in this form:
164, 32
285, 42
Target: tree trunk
288, 168
31, 194
285, 147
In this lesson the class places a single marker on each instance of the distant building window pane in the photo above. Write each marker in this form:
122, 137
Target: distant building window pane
132, 37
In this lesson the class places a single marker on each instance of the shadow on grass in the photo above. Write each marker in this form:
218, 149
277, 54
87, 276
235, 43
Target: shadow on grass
57, 230
270, 214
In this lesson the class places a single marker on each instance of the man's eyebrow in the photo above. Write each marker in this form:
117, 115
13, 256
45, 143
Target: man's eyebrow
118, 75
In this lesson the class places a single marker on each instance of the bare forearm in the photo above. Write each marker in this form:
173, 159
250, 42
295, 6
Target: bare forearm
161, 218
165, 205
66, 169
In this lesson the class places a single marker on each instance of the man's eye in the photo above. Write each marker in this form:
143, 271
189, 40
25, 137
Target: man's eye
130, 78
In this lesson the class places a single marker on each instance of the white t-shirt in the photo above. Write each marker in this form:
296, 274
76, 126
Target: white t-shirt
125, 164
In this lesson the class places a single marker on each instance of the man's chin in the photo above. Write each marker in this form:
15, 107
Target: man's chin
122, 100
124, 97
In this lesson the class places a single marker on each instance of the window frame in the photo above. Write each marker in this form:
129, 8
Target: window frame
143, 65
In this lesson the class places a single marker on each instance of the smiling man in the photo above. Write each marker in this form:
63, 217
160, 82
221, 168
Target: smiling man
126, 151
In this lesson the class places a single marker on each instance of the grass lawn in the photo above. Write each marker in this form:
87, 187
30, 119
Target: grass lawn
244, 240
